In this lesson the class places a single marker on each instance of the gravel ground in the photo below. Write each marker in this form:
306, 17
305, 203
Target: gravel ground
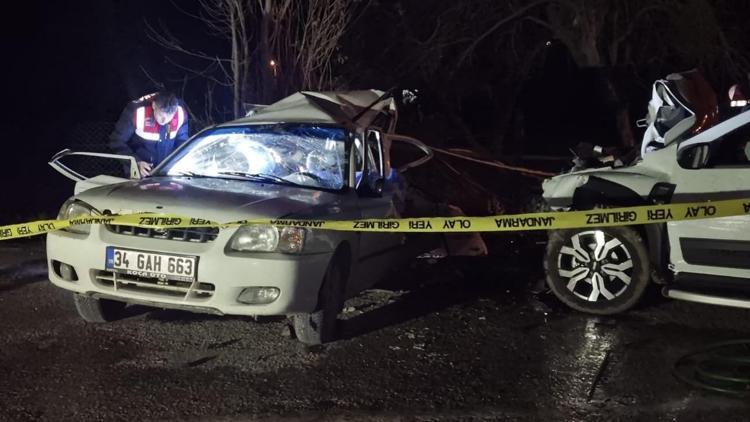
444, 340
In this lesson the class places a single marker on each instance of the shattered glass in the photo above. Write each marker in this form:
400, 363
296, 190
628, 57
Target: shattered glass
307, 155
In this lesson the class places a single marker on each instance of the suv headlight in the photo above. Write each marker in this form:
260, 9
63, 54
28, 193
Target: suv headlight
263, 238
74, 209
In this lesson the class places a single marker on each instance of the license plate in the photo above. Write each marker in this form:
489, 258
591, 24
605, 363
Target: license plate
153, 265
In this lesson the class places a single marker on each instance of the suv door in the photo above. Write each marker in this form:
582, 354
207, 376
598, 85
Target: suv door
713, 165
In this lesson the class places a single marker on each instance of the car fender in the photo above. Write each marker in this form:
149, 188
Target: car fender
618, 188
613, 186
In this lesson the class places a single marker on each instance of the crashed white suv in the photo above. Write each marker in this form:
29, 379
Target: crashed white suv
309, 156
687, 157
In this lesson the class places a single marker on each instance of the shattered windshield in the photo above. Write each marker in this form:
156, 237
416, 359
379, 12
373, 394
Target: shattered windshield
305, 155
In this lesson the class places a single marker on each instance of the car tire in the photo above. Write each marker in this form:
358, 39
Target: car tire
600, 271
320, 326
98, 310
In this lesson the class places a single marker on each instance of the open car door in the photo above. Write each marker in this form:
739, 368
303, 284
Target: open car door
84, 183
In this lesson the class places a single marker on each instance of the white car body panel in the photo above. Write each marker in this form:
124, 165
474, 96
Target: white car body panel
640, 178
705, 184
298, 283
728, 228
95, 182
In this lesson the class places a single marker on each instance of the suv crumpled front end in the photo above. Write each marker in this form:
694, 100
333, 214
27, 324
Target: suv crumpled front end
632, 185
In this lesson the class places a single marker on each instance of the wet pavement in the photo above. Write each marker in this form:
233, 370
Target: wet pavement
449, 340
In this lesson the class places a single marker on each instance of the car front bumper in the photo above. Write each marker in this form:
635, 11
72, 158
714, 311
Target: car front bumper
298, 277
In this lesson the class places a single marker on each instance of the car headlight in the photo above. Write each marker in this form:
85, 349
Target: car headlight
74, 209
263, 238
292, 239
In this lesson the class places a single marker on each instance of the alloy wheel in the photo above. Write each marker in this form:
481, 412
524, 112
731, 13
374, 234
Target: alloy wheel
595, 265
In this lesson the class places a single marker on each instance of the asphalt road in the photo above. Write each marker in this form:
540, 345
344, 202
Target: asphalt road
442, 341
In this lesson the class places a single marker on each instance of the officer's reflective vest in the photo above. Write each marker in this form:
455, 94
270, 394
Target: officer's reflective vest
146, 126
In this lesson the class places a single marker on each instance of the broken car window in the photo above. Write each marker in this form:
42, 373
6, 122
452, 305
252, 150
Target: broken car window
306, 155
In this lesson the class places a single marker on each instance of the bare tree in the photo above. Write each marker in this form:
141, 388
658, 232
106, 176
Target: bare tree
227, 19
450, 56
606, 35
702, 36
597, 36
305, 38
273, 47
297, 45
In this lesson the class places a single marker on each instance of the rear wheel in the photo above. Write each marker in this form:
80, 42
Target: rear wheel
600, 271
320, 326
98, 310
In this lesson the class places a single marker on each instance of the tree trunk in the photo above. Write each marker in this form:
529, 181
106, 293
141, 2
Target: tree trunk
621, 113
236, 68
624, 127
265, 90
608, 94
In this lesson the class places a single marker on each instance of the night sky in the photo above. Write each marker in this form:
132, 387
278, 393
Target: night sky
67, 63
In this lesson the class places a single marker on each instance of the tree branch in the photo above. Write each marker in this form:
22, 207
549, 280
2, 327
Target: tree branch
515, 15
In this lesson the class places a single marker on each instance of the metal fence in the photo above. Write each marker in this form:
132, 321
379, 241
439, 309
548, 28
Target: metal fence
93, 136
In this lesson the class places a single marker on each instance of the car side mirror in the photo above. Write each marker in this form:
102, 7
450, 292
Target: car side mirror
694, 156
372, 180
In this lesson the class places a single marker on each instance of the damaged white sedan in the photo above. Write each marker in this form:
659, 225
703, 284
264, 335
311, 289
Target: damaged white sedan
309, 156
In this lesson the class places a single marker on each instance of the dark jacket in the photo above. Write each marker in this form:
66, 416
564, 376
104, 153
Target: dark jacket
139, 135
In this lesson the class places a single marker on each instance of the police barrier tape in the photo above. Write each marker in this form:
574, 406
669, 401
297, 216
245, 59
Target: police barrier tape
603, 217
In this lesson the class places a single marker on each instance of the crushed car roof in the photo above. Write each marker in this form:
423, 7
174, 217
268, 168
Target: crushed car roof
331, 107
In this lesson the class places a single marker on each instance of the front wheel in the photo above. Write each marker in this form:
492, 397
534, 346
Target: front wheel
600, 271
98, 310
320, 326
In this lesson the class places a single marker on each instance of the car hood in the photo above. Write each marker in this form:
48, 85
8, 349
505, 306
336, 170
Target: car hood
564, 184
209, 198
639, 178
